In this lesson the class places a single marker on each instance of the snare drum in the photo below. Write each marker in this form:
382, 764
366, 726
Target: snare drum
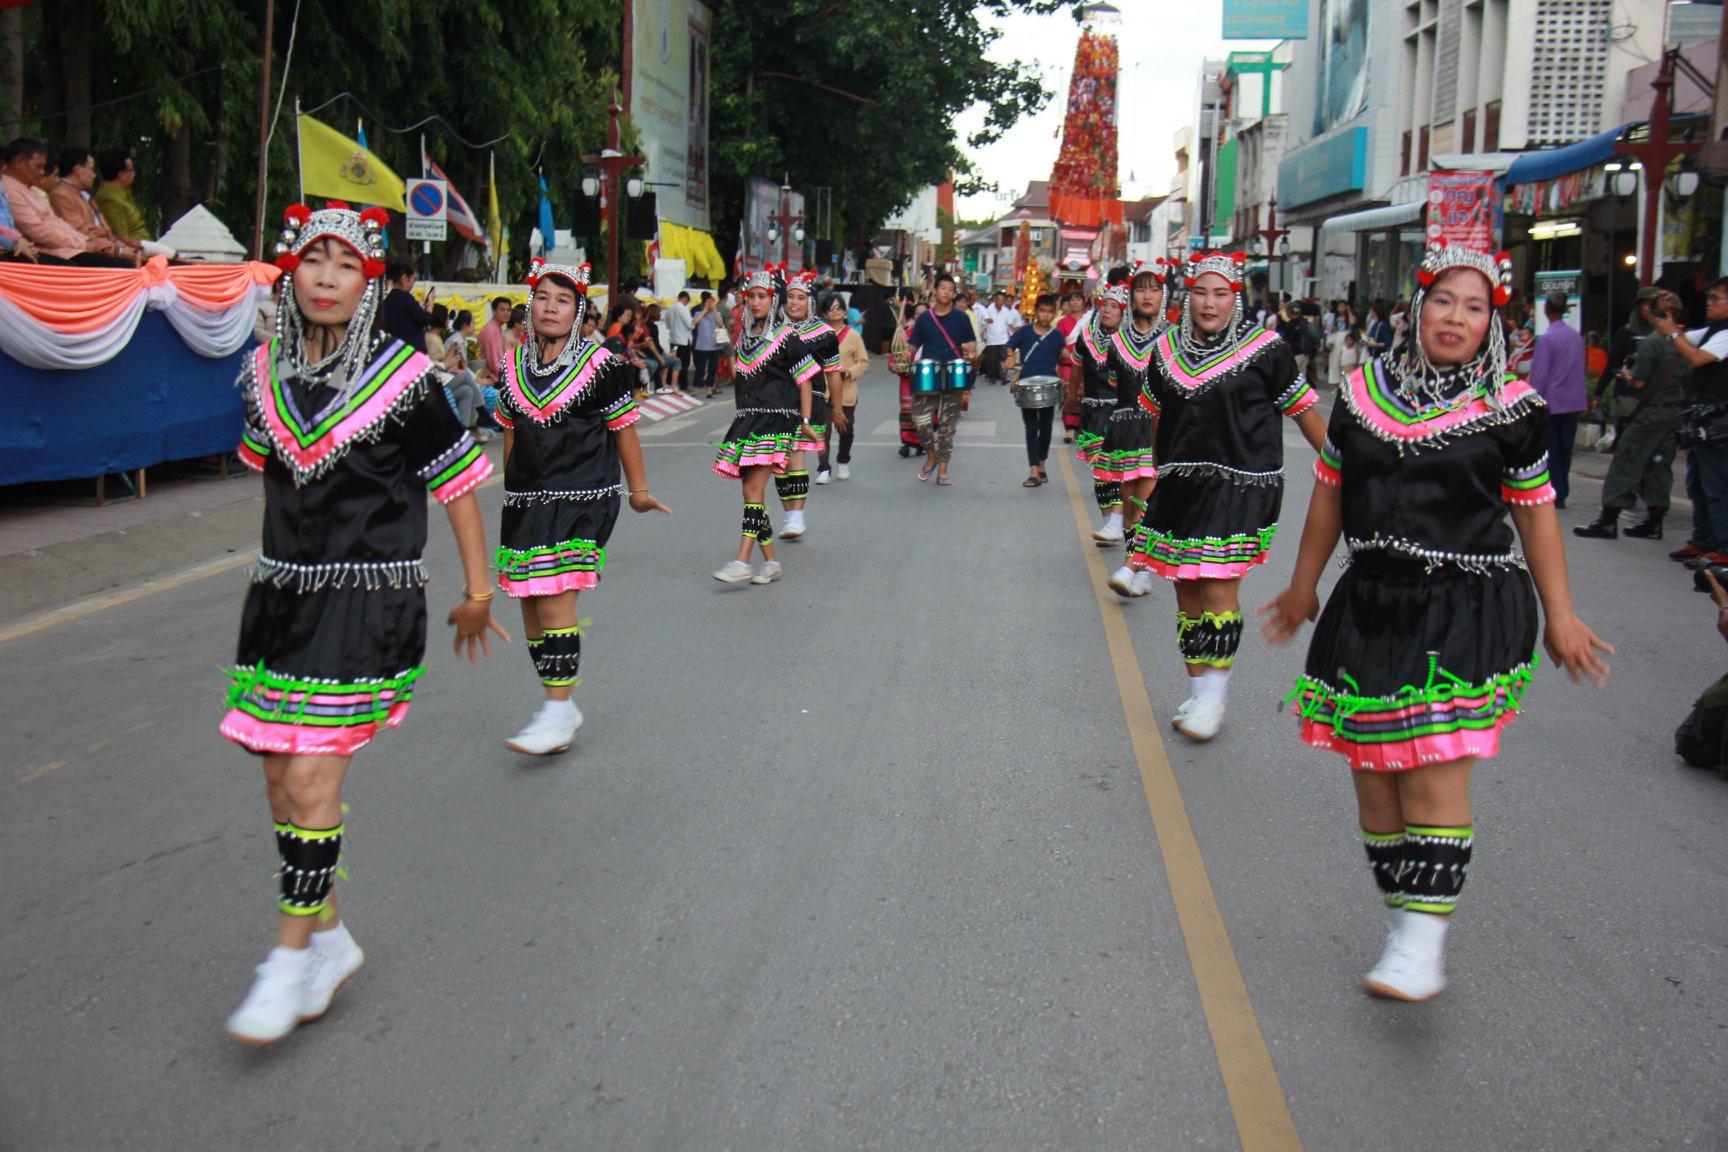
957, 375
1039, 392
927, 376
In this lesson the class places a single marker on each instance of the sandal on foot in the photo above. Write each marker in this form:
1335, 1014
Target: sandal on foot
943, 481
925, 471
1031, 482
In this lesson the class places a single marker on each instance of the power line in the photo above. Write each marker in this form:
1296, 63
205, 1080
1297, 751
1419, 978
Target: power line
117, 100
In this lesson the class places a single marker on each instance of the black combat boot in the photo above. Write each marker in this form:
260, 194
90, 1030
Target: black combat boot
1604, 527
1649, 528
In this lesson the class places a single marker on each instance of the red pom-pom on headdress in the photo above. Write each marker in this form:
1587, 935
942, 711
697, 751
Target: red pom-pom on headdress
298, 213
373, 267
287, 261
1502, 296
375, 215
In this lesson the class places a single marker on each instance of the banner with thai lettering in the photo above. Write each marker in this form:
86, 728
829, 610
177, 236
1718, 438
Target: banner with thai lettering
1461, 209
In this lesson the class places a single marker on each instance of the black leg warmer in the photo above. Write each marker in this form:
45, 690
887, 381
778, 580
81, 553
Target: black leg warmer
557, 656
756, 524
1210, 638
309, 861
1435, 863
793, 486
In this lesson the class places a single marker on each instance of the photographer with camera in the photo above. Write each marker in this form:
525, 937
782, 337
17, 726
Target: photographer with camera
1704, 430
1700, 738
1643, 462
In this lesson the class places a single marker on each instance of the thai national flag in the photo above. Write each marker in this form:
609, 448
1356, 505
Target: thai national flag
461, 216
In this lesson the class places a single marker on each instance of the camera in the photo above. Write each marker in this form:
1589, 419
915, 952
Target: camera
1720, 571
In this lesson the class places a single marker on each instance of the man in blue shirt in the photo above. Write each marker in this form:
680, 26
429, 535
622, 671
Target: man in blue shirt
943, 333
1036, 349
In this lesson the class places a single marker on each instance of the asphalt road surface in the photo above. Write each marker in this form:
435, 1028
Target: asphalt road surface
897, 853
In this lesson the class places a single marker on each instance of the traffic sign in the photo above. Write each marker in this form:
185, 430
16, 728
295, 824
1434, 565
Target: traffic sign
428, 210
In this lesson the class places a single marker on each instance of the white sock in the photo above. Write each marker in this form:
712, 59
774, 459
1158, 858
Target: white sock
332, 939
1423, 933
1211, 685
1112, 521
562, 709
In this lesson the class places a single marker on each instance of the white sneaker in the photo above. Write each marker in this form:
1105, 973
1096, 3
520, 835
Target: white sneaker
1182, 711
1107, 534
1124, 583
823, 476
770, 572
1413, 966
272, 1008
1202, 721
842, 472
331, 966
1143, 578
794, 526
735, 572
549, 732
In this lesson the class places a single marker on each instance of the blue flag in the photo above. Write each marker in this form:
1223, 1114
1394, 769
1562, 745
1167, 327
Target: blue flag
547, 232
360, 139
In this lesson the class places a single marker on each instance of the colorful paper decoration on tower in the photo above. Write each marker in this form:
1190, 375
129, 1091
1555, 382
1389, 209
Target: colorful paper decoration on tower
1084, 190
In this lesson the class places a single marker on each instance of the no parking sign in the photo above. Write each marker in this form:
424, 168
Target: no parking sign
428, 210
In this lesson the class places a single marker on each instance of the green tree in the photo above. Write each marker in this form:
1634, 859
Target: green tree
177, 81
858, 95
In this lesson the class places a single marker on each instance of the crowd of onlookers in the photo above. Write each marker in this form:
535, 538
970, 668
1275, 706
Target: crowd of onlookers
77, 211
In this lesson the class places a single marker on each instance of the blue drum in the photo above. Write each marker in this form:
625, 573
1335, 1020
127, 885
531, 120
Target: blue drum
927, 376
958, 375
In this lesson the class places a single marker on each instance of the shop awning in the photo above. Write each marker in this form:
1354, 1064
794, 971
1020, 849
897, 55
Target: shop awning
693, 246
1551, 163
1495, 162
1374, 219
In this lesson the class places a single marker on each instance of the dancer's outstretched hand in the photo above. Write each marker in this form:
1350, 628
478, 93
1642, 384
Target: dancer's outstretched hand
644, 502
1283, 615
472, 619
1572, 646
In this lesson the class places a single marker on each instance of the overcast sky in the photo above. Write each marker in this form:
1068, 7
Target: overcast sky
1162, 43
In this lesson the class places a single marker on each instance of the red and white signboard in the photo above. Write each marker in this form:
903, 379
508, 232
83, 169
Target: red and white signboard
1461, 209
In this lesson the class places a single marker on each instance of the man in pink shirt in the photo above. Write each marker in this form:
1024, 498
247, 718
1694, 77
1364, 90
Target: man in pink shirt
492, 338
70, 199
57, 242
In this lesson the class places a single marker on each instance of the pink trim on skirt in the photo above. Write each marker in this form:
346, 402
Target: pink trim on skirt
265, 736
727, 470
1416, 752
548, 585
1205, 570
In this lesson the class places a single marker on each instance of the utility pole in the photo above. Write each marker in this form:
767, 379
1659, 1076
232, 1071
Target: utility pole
263, 131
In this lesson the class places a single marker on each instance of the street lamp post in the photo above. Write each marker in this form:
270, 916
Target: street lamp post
1620, 180
1656, 153
785, 226
612, 164
1271, 241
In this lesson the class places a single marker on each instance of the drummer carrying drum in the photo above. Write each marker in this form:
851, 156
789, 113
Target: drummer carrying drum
1035, 350
943, 334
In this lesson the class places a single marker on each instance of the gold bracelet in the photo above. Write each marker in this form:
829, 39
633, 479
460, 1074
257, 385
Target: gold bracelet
481, 599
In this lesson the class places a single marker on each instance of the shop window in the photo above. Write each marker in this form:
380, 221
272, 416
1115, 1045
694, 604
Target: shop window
1491, 126
1404, 155
1467, 137
1422, 151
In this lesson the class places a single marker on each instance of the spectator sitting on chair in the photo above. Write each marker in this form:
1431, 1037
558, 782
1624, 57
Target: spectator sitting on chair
13, 246
113, 198
25, 165
402, 316
450, 357
71, 201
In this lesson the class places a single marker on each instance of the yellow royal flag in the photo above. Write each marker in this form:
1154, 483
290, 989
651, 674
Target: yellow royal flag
333, 165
